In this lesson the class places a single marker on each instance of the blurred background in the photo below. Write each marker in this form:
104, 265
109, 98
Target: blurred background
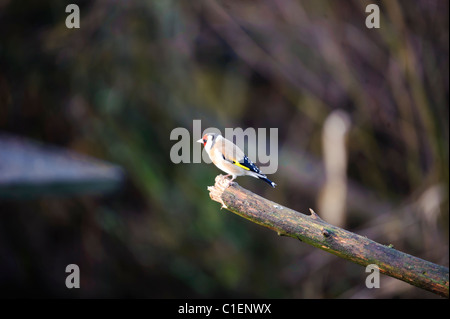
362, 119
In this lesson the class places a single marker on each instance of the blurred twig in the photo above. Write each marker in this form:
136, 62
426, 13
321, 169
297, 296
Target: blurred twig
316, 232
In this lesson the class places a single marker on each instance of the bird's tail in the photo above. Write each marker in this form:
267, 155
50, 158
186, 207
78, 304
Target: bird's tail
268, 181
263, 177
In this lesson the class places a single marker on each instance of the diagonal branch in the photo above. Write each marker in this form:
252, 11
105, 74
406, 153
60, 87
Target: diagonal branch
316, 232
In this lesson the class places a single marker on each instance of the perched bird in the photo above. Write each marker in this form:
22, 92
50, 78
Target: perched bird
230, 158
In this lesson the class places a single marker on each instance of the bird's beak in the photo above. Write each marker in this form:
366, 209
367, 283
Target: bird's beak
200, 141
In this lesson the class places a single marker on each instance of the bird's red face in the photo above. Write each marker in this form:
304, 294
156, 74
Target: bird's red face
205, 139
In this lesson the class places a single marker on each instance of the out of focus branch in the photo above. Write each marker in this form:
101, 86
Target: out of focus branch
333, 195
316, 232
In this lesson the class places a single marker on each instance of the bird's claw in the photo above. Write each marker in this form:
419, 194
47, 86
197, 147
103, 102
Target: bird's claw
231, 183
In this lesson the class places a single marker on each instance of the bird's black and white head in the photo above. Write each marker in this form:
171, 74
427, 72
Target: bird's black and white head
208, 140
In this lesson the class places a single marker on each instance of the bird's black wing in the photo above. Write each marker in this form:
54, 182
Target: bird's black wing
247, 164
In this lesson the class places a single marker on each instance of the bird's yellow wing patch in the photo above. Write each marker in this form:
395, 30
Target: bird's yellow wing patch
240, 165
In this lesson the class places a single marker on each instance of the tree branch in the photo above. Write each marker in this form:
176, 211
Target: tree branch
316, 232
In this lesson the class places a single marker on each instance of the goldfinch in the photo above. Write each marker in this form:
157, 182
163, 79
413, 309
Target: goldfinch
230, 158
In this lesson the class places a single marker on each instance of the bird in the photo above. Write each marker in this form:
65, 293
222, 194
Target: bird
230, 158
